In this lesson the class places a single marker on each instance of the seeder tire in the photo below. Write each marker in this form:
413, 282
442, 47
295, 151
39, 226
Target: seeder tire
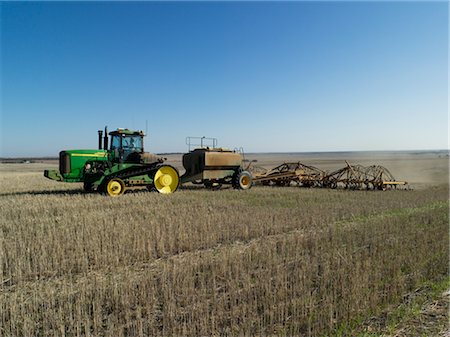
242, 180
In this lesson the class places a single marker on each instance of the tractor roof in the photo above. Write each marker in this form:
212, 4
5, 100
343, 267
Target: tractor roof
121, 131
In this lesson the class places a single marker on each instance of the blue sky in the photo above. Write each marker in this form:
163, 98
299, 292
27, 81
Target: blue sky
275, 77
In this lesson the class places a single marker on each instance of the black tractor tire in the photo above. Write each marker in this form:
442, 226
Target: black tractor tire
242, 180
101, 189
88, 187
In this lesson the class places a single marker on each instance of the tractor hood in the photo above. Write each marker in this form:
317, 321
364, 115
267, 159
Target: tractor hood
72, 162
87, 153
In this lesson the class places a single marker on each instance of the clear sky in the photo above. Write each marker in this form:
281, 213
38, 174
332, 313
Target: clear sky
270, 77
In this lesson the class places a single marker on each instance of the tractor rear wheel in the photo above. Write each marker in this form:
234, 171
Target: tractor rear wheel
166, 179
115, 187
242, 180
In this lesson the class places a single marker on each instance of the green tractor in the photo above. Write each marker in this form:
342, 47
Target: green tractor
111, 171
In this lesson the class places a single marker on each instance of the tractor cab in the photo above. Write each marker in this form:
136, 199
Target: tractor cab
126, 143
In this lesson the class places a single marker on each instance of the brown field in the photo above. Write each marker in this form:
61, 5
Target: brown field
270, 261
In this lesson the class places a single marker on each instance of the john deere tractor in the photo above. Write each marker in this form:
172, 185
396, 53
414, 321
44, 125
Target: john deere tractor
111, 170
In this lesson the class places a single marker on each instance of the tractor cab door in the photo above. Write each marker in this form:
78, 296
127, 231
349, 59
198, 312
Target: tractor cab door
116, 148
132, 147
126, 147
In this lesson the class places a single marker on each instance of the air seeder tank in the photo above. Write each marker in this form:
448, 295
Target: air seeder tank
214, 167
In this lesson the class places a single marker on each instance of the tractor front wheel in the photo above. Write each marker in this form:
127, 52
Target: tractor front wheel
115, 187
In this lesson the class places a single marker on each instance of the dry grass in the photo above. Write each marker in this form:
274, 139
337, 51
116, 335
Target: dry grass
422, 312
269, 261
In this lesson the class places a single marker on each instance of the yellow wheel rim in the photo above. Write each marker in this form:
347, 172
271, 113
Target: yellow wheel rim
166, 180
245, 180
115, 187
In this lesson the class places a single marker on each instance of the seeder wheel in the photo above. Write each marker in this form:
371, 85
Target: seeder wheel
166, 179
242, 180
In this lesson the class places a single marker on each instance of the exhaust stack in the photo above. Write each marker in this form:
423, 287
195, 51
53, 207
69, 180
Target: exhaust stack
100, 134
105, 139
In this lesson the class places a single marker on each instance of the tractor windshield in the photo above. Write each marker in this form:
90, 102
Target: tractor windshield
127, 143
132, 143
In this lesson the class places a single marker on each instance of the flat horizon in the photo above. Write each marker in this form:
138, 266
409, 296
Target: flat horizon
421, 151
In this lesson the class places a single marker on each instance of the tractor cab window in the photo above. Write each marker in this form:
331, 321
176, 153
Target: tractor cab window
115, 142
132, 143
125, 145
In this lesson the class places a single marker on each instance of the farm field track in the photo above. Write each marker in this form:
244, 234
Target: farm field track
269, 261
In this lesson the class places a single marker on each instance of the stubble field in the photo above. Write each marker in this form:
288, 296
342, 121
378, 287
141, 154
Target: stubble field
269, 261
